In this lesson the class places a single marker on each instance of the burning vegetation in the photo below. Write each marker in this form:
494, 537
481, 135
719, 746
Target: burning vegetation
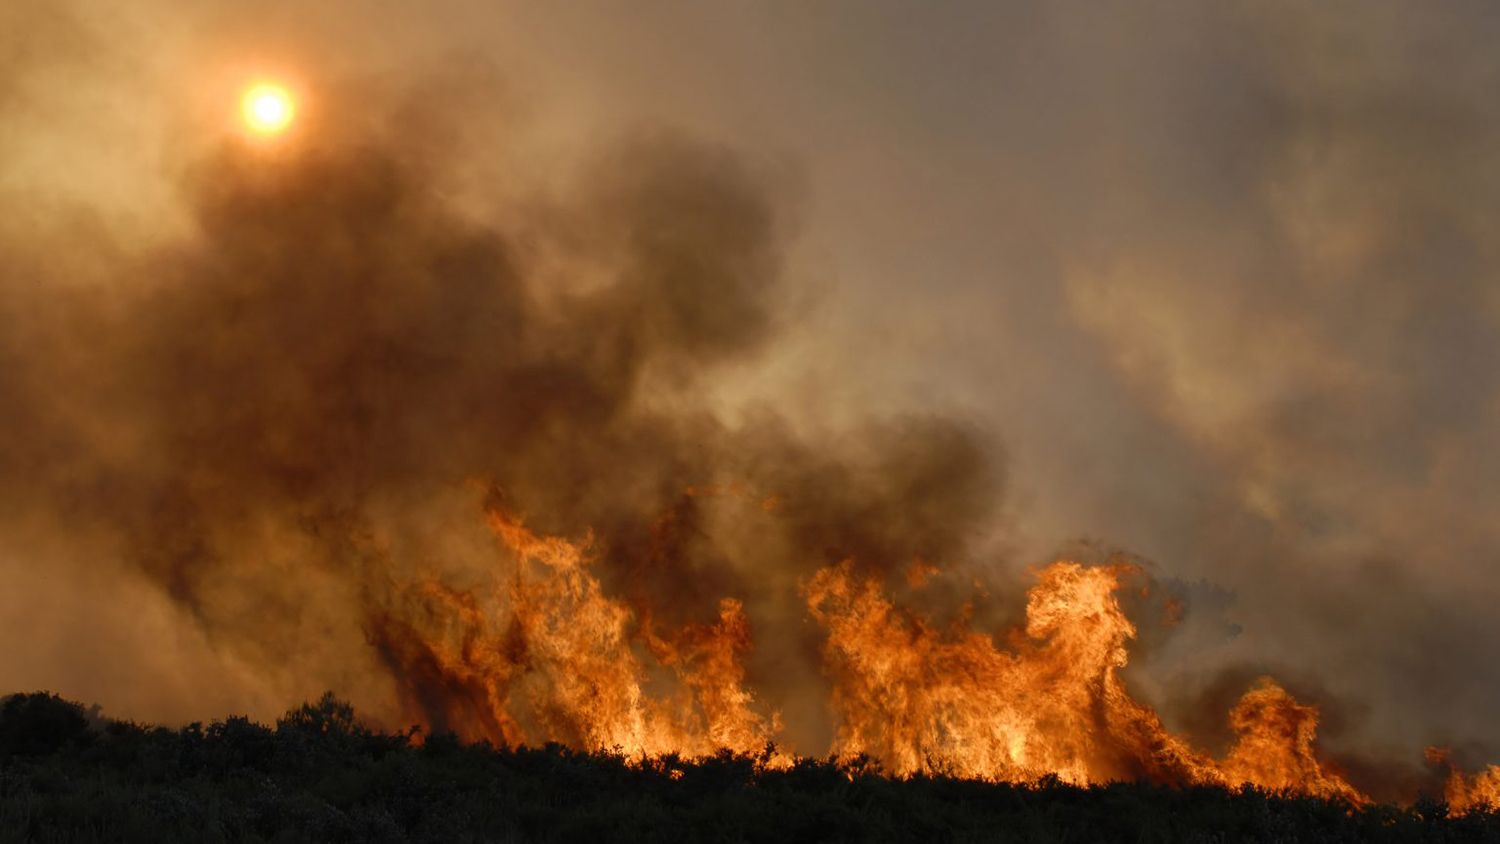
279, 424
1468, 792
543, 654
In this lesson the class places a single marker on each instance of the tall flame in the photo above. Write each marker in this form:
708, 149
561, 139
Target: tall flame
1467, 792
539, 653
542, 654
924, 701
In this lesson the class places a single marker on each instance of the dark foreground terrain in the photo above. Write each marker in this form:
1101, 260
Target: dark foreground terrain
319, 776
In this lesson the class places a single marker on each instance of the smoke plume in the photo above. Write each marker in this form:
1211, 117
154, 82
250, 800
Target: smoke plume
353, 411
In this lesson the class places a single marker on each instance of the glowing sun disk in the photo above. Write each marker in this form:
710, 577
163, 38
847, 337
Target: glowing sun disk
268, 108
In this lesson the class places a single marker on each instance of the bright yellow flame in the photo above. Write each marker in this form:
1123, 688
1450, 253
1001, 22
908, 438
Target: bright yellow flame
268, 109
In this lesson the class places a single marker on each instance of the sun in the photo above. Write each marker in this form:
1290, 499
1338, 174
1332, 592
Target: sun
268, 109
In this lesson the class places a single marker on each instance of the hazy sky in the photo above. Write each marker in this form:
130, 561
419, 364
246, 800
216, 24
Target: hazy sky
1218, 282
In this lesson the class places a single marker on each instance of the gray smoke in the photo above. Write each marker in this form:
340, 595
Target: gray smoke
1223, 276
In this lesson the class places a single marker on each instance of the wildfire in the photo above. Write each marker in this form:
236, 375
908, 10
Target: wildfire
934, 703
546, 656
1467, 792
541, 653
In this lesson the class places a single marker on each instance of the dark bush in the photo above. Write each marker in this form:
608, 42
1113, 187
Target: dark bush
320, 776
40, 723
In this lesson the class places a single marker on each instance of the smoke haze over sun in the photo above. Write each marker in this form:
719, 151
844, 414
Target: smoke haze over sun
268, 108
995, 388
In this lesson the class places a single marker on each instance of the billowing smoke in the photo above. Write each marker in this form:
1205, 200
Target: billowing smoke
1222, 277
302, 406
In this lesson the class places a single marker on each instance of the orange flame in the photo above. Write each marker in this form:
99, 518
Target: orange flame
923, 701
1275, 746
537, 652
550, 658
1466, 793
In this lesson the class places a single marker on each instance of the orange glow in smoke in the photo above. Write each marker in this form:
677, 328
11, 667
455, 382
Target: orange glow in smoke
541, 653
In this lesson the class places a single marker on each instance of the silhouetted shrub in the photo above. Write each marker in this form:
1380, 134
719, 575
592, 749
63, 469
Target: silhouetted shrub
320, 776
39, 723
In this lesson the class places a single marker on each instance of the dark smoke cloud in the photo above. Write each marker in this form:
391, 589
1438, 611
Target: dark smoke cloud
274, 419
1223, 275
